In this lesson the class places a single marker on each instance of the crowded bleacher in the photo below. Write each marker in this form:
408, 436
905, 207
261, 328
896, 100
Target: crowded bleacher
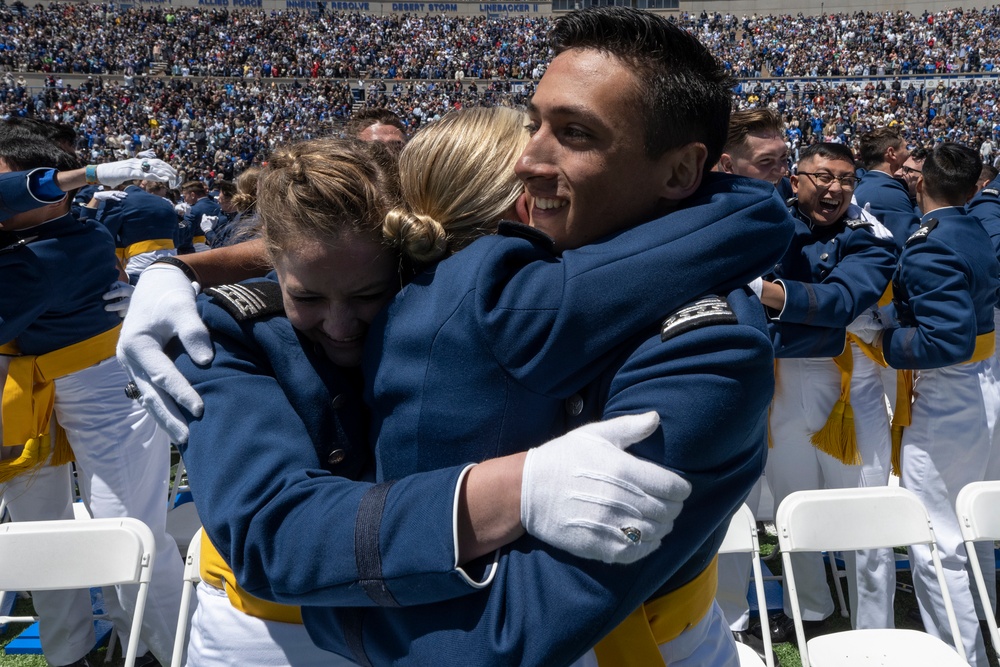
808, 206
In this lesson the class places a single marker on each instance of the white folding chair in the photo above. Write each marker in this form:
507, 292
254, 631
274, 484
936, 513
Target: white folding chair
979, 519
67, 554
192, 575
852, 519
741, 538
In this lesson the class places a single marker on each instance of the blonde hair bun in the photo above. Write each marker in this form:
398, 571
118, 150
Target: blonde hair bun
419, 237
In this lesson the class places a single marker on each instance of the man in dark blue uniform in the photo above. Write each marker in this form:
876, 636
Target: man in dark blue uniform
192, 235
143, 224
944, 294
883, 153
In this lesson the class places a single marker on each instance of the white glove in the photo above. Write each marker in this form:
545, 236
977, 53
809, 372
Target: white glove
868, 326
584, 494
119, 297
146, 154
856, 212
181, 208
114, 174
117, 195
207, 222
756, 286
163, 308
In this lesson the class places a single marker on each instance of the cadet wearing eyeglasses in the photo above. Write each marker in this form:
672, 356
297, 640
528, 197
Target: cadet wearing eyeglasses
837, 266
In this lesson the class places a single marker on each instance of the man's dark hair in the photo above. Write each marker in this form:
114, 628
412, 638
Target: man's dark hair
950, 173
828, 150
988, 173
22, 153
58, 133
226, 187
685, 93
919, 154
368, 117
874, 144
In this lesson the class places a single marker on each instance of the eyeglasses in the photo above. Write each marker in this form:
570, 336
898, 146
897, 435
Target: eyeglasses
826, 179
911, 170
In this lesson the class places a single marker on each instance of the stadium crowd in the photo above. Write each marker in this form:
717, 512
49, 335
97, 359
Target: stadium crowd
98, 39
882, 175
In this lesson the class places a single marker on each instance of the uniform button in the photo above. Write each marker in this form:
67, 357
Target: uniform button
338, 401
336, 456
824, 256
574, 405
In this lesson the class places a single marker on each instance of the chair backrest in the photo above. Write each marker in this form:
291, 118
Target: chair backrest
979, 519
852, 519
52, 555
192, 575
979, 511
742, 538
867, 518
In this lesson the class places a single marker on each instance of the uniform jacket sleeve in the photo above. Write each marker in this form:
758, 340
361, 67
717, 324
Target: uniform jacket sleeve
853, 284
19, 192
292, 531
528, 308
712, 387
940, 297
985, 207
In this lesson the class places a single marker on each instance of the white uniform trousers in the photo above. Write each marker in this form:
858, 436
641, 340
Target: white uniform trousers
123, 463
871, 573
222, 636
708, 643
948, 445
806, 392
65, 618
734, 579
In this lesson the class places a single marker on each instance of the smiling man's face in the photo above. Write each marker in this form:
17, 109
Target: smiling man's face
822, 204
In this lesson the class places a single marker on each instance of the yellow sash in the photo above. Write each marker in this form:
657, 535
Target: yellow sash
216, 572
147, 246
635, 642
199, 239
901, 415
29, 398
838, 437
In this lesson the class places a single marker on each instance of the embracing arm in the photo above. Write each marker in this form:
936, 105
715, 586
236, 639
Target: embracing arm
712, 387
592, 299
229, 264
264, 519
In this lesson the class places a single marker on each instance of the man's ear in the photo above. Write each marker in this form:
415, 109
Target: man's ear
794, 180
684, 168
725, 164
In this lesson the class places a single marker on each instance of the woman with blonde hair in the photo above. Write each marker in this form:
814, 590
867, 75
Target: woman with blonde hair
291, 348
457, 182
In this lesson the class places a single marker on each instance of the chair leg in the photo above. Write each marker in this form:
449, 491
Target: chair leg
838, 584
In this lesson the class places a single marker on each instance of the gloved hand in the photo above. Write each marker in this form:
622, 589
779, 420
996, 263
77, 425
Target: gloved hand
756, 286
868, 326
146, 154
163, 308
104, 195
584, 494
119, 298
114, 174
207, 222
856, 212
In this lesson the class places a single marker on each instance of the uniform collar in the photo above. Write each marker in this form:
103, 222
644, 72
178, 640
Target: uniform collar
943, 212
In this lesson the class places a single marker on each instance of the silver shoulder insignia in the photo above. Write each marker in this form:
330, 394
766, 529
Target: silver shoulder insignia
11, 247
249, 300
858, 223
993, 192
703, 312
922, 233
